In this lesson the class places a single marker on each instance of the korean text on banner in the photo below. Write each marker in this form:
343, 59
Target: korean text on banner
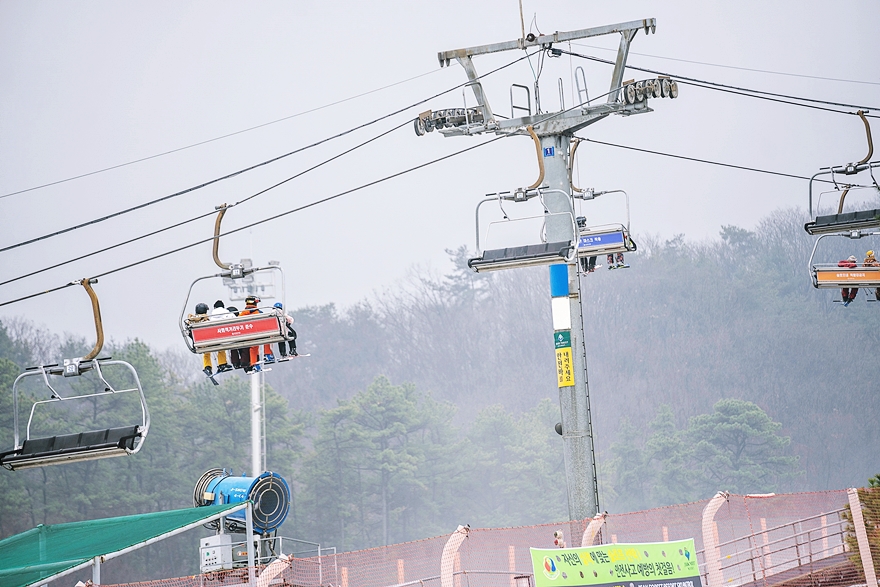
652, 564
564, 363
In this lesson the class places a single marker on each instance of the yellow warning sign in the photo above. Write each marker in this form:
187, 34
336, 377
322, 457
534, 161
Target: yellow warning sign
564, 367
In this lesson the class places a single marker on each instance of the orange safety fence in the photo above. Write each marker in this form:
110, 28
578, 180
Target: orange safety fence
786, 540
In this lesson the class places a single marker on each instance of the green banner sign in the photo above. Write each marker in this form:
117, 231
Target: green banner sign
562, 339
652, 564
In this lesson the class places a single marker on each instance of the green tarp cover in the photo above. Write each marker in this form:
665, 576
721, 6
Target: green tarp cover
45, 551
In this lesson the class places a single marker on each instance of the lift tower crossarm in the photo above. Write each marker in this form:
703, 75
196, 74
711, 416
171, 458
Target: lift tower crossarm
631, 27
567, 122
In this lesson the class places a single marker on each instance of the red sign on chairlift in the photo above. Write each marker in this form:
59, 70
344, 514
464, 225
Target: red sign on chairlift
220, 330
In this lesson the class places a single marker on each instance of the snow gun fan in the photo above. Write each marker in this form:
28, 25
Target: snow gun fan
269, 493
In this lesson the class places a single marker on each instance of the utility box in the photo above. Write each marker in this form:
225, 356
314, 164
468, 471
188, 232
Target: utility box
215, 553
223, 552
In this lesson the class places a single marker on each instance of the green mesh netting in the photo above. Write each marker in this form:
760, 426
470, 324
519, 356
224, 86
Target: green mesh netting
40, 553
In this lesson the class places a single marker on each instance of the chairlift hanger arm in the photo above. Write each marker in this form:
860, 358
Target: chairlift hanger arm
221, 211
862, 162
574, 147
540, 154
96, 311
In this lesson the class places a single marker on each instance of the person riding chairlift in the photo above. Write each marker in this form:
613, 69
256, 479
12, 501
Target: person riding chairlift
201, 315
250, 307
871, 261
849, 293
291, 333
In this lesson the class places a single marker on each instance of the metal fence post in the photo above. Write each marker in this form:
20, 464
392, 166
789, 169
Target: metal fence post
855, 507
711, 551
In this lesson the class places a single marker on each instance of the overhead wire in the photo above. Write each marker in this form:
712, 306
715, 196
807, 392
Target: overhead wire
818, 77
232, 134
252, 167
176, 225
750, 92
709, 85
200, 216
695, 159
262, 221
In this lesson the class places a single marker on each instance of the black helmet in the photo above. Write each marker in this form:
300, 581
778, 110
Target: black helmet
219, 304
201, 308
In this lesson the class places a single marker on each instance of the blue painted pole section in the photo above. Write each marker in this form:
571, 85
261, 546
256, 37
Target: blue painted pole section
558, 280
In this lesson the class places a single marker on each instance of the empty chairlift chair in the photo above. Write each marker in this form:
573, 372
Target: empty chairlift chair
544, 253
31, 450
37, 451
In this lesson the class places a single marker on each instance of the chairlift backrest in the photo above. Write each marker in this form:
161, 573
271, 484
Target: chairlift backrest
30, 451
844, 223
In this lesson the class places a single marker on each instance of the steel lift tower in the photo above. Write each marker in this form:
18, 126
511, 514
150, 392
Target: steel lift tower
552, 133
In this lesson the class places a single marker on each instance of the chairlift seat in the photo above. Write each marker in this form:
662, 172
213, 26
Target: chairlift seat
830, 276
846, 222
95, 444
604, 241
241, 331
524, 256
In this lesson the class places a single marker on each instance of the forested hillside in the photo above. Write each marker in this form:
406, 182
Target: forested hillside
687, 325
712, 366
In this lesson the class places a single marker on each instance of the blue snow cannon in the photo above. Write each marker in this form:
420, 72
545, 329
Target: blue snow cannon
269, 492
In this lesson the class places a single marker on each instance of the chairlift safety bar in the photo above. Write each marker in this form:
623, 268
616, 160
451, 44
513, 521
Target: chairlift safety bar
842, 170
519, 196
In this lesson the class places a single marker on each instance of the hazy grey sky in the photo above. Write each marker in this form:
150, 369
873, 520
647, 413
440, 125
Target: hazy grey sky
88, 85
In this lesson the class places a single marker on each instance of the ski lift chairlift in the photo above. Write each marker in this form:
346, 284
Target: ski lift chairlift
521, 256
232, 332
604, 239
29, 451
831, 276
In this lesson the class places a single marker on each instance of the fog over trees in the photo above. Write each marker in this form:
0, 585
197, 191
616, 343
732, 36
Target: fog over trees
712, 366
